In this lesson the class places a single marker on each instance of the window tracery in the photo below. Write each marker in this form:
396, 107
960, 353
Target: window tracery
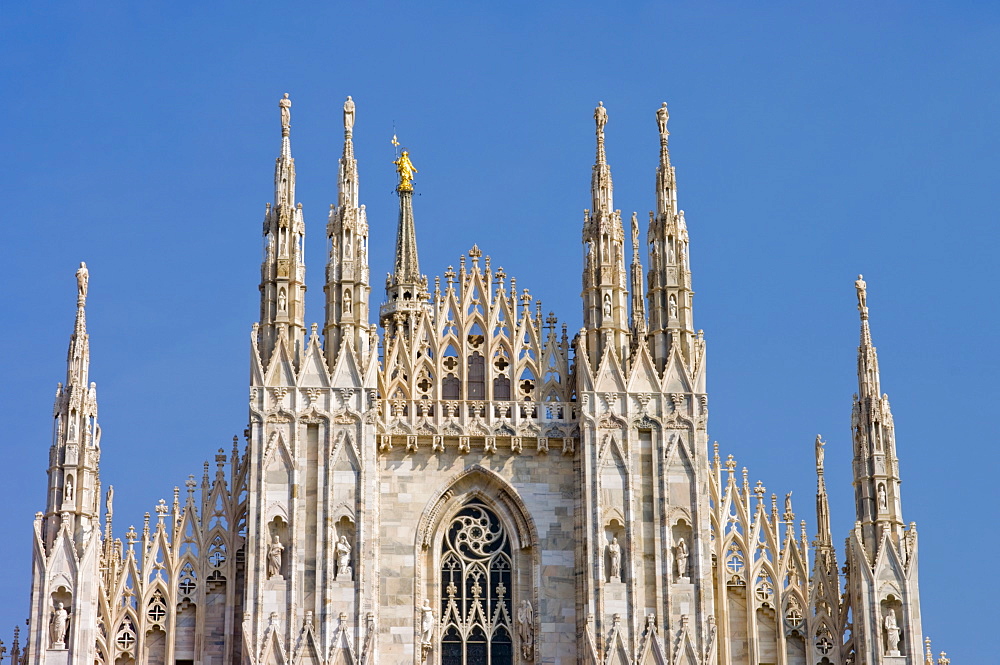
476, 586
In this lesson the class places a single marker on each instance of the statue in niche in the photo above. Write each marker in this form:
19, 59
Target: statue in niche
681, 556
600, 117
68, 490
282, 300
347, 302
286, 113
426, 623
526, 629
661, 118
891, 634
673, 307
343, 552
274, 558
615, 554
882, 499
57, 627
349, 114
671, 255
607, 305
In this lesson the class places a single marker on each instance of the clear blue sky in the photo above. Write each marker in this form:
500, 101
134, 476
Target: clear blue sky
812, 141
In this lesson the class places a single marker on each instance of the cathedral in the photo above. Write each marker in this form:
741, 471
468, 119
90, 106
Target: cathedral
452, 477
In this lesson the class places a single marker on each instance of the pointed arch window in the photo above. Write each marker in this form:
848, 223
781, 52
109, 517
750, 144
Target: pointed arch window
477, 376
476, 588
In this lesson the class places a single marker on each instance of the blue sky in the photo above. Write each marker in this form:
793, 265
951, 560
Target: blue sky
812, 141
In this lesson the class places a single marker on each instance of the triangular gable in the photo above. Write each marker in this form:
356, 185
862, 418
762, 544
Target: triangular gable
675, 375
280, 371
313, 372
609, 375
345, 370
643, 377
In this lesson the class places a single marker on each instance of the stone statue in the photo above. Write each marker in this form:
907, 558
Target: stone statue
882, 499
282, 300
673, 307
615, 553
526, 629
68, 490
82, 280
891, 634
819, 452
286, 113
57, 627
343, 551
862, 289
426, 623
600, 117
404, 167
349, 114
109, 499
661, 118
607, 305
274, 558
681, 555
788, 503
635, 233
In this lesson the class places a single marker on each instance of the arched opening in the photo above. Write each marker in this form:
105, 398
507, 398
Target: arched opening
477, 376
476, 589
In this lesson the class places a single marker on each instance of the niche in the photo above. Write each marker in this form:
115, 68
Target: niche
614, 550
60, 618
892, 628
277, 559
680, 550
344, 549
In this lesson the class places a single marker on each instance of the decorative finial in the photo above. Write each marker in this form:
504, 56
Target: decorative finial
600, 117
862, 289
285, 104
404, 167
349, 115
82, 280
662, 115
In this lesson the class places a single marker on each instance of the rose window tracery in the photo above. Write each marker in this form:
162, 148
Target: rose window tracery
476, 586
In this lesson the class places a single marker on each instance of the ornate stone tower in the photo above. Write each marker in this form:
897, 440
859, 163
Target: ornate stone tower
883, 600
67, 550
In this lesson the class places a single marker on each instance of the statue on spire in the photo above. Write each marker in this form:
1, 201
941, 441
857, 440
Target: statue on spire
600, 117
286, 114
661, 119
82, 280
819, 452
404, 167
862, 289
349, 114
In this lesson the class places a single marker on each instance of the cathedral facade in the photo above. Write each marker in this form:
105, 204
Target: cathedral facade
453, 478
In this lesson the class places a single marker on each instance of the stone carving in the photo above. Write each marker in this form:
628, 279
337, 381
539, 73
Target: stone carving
82, 281
426, 623
274, 558
615, 554
58, 625
349, 114
862, 289
882, 499
343, 551
891, 634
68, 490
600, 117
681, 557
286, 114
820, 453
526, 629
673, 307
661, 118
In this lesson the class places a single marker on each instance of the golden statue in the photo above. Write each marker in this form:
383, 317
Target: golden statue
404, 167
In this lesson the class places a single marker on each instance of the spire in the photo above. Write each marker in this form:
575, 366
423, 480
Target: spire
638, 328
876, 467
73, 474
670, 295
824, 536
405, 288
282, 283
605, 313
347, 279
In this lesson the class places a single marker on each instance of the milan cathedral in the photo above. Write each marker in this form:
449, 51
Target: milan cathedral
464, 482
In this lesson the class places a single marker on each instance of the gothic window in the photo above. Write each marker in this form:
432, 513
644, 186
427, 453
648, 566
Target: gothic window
476, 585
477, 376
125, 639
157, 609
501, 388
451, 387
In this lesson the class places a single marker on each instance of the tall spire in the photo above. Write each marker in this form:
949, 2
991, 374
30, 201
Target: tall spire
876, 467
347, 278
405, 288
73, 477
605, 304
638, 328
670, 295
282, 279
